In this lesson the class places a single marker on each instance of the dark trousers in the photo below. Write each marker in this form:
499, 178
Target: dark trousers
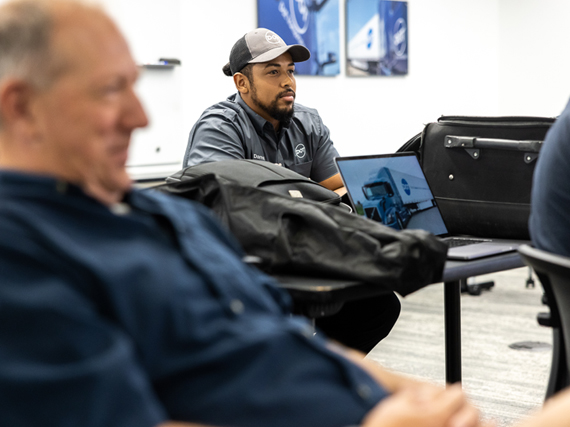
362, 324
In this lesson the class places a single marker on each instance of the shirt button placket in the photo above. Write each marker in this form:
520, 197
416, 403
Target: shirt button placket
364, 391
236, 306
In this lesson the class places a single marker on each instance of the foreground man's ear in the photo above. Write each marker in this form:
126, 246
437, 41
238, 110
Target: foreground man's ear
16, 111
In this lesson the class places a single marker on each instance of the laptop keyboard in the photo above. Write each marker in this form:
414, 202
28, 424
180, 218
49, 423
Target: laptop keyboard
455, 242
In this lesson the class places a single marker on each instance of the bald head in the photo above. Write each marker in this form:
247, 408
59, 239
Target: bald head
26, 32
67, 100
25, 29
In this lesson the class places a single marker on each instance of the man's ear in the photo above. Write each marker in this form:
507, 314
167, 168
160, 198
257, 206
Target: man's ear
241, 82
17, 109
15, 101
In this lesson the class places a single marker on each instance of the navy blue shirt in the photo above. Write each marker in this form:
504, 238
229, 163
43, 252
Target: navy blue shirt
232, 130
144, 312
549, 223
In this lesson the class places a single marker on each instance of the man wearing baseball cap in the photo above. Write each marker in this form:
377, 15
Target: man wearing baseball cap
262, 121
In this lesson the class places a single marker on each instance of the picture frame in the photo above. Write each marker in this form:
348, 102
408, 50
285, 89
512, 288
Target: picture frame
376, 38
311, 23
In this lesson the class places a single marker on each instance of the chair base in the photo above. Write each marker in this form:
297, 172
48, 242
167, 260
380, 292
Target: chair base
475, 288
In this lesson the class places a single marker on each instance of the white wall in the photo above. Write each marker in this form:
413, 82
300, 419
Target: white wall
154, 30
378, 114
534, 73
472, 57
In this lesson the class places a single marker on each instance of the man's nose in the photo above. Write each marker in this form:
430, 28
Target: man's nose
135, 116
287, 81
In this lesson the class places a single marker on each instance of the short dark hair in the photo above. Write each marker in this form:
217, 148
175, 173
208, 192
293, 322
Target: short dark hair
248, 72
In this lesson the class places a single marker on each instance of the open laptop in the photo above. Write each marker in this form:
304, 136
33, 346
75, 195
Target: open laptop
392, 189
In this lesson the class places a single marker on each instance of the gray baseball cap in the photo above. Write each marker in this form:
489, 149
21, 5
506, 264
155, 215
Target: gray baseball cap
261, 45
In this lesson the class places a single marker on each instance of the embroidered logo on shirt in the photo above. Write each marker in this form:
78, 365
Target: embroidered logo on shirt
258, 157
300, 151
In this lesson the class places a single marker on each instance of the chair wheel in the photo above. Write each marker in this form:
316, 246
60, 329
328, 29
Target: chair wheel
474, 290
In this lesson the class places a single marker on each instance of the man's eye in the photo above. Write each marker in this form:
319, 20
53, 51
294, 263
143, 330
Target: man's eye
111, 89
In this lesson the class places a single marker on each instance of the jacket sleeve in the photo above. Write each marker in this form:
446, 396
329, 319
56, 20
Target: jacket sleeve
323, 160
214, 137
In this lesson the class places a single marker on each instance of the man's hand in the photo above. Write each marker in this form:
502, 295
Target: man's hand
414, 403
425, 406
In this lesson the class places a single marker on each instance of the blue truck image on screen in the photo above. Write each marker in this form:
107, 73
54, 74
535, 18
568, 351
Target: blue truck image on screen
392, 197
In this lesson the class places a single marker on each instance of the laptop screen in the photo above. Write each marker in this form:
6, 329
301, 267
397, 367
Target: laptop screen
391, 189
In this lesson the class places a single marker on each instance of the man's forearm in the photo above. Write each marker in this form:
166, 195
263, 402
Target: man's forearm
334, 183
389, 380
555, 413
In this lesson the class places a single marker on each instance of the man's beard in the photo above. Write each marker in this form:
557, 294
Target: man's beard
283, 115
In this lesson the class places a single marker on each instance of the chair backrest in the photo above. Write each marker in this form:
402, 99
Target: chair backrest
553, 272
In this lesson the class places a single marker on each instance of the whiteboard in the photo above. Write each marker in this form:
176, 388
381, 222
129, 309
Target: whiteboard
152, 29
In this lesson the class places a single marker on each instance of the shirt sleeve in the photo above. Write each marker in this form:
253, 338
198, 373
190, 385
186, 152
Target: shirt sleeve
549, 223
214, 137
323, 159
57, 352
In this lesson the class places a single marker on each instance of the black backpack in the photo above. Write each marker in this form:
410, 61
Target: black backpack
297, 236
263, 175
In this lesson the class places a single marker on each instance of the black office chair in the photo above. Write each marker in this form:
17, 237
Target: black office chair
553, 271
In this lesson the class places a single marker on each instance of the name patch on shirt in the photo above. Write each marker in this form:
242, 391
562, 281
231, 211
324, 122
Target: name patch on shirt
258, 157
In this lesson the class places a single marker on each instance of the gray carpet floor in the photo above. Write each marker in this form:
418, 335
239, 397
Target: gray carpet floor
504, 383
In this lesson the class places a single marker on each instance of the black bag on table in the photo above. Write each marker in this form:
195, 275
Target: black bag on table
263, 175
295, 236
480, 171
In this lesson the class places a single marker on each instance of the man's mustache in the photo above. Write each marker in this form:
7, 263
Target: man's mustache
287, 92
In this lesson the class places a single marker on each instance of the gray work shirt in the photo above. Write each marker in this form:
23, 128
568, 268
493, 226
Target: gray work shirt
232, 130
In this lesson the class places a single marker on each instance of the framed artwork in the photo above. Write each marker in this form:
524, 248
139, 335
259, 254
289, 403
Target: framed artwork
376, 38
312, 23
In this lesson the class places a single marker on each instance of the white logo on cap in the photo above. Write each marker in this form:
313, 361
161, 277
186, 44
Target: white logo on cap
271, 37
300, 151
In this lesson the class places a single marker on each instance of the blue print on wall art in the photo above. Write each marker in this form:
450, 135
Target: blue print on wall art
312, 23
377, 37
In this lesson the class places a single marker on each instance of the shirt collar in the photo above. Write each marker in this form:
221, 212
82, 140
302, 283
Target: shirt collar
257, 121
18, 183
